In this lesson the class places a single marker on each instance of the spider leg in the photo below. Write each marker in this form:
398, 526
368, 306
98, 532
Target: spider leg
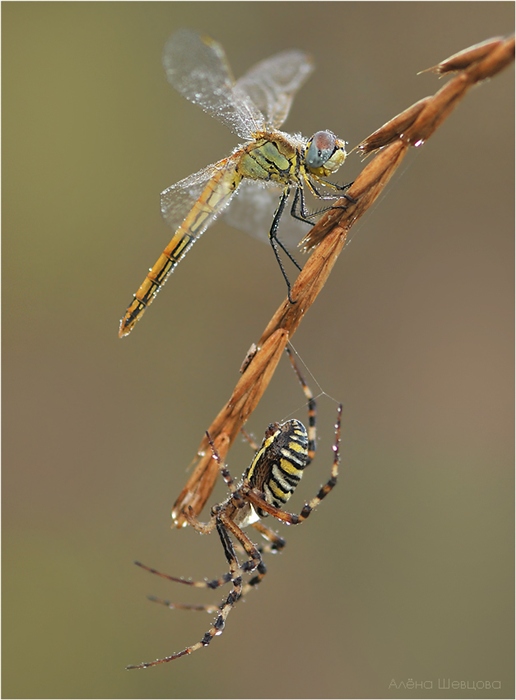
184, 606
212, 584
206, 528
225, 524
252, 442
223, 610
230, 483
275, 543
312, 409
261, 571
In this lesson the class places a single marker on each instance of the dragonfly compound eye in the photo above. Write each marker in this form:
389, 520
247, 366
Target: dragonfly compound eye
321, 148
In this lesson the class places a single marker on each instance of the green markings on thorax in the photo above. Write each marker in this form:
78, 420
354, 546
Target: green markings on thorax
270, 158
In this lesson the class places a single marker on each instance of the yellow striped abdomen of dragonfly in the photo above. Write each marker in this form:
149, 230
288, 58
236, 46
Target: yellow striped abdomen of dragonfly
213, 198
270, 157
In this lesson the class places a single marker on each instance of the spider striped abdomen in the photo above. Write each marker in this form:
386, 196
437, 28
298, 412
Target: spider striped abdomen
278, 465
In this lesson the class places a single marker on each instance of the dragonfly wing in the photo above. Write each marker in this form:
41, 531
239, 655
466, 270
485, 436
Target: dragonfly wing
197, 67
272, 84
199, 192
252, 211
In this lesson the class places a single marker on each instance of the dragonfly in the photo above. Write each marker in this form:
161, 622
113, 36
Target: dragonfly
260, 174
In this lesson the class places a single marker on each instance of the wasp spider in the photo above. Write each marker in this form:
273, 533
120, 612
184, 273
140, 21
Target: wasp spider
267, 484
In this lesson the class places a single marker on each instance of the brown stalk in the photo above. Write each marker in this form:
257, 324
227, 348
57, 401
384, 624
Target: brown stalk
412, 127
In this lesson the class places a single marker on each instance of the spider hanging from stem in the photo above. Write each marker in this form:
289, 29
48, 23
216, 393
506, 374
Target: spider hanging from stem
266, 486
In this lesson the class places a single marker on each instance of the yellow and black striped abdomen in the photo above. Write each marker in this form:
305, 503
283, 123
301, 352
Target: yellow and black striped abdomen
278, 465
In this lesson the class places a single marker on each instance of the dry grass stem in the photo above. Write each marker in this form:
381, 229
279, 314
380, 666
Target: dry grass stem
413, 127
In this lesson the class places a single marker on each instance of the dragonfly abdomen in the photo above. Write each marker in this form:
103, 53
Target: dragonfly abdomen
156, 278
213, 199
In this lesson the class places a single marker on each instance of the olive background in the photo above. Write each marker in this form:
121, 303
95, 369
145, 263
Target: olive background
403, 579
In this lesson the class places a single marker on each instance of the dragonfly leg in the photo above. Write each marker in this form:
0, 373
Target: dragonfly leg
276, 243
332, 186
299, 210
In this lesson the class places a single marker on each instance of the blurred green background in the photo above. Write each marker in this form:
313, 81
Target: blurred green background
406, 571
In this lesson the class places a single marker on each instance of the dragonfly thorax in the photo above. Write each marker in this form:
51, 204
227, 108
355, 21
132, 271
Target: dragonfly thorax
271, 157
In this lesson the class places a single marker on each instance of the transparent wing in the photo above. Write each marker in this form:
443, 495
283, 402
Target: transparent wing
197, 68
190, 195
272, 84
252, 211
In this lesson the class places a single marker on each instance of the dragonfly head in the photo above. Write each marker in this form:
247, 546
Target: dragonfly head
325, 153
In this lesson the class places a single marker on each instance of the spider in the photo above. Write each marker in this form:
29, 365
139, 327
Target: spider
266, 485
